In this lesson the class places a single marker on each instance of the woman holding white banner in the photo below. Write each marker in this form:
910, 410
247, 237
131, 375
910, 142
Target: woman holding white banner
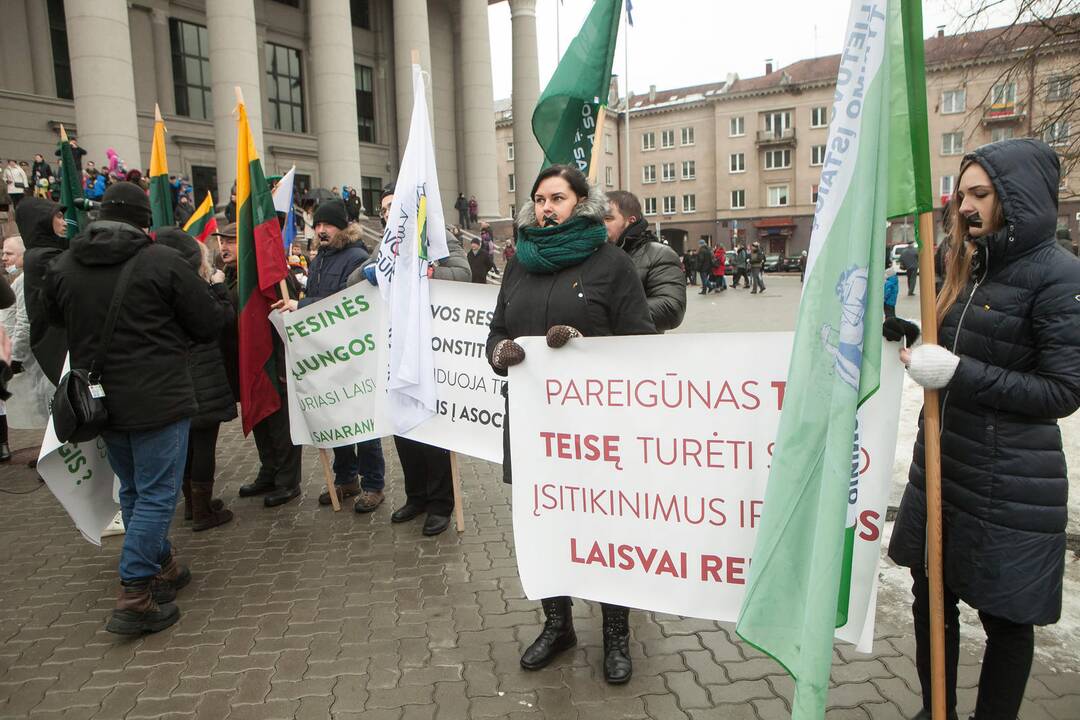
1009, 364
566, 281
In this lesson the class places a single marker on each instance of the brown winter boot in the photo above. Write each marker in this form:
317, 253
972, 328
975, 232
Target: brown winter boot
189, 512
137, 612
172, 577
209, 512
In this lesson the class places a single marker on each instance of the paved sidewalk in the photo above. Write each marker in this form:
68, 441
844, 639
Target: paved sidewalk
298, 612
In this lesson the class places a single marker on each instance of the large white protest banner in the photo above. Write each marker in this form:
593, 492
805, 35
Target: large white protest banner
335, 371
640, 464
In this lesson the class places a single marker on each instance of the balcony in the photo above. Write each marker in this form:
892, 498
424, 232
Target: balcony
766, 138
1003, 113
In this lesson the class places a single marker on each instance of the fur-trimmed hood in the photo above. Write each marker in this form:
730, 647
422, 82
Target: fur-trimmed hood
593, 207
351, 233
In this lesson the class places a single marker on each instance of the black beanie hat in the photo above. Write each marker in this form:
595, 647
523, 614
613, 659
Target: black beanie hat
332, 212
126, 202
179, 240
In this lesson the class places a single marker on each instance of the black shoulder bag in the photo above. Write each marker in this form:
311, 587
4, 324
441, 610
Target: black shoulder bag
78, 407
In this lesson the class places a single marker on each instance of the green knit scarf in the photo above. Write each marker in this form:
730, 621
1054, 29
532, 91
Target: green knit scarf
550, 249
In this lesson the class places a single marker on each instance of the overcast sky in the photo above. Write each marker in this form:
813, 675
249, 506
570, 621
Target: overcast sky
675, 43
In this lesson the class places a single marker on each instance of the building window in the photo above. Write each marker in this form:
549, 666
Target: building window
813, 193
650, 206
738, 199
737, 127
669, 204
191, 69
290, 3
61, 59
689, 169
689, 203
688, 136
947, 184
1003, 96
361, 13
819, 117
286, 88
511, 184
817, 154
513, 210
778, 195
1058, 88
1000, 133
737, 162
777, 159
609, 176
607, 144
365, 103
1057, 133
667, 138
509, 151
668, 172
953, 101
370, 190
952, 143
777, 122
648, 174
648, 141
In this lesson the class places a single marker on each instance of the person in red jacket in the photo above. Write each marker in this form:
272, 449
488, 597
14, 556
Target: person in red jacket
719, 259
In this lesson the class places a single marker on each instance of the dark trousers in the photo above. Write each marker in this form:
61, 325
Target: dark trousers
757, 280
912, 277
691, 277
1006, 661
279, 459
428, 480
463, 218
364, 459
201, 454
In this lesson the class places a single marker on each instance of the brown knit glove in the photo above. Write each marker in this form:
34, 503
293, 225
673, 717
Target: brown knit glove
507, 353
559, 335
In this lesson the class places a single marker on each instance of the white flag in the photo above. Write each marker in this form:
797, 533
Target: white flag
415, 237
283, 191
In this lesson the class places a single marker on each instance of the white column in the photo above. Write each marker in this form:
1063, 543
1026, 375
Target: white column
410, 33
102, 79
41, 60
234, 62
526, 91
163, 70
481, 164
334, 106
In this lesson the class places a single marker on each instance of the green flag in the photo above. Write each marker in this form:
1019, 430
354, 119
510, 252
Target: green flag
799, 584
71, 189
564, 121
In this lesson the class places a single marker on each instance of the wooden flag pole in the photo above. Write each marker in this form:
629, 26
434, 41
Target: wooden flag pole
598, 141
328, 474
455, 476
932, 463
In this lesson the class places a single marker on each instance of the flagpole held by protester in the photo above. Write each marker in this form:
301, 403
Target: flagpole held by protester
161, 197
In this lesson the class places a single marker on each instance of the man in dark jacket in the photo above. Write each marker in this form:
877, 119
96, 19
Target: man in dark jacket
689, 261
41, 224
657, 264
359, 469
279, 460
757, 269
146, 381
909, 263
704, 267
480, 262
462, 207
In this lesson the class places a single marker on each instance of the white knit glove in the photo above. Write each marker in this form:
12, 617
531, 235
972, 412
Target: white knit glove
932, 366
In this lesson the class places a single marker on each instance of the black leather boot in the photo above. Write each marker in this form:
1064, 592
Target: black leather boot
617, 665
557, 635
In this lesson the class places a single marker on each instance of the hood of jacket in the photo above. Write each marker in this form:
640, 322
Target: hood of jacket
636, 234
348, 235
34, 217
107, 242
1026, 174
593, 207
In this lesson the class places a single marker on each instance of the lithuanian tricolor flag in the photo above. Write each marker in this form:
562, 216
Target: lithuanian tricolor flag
202, 224
261, 266
161, 197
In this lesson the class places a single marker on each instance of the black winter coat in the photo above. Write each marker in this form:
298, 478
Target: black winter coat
1016, 328
602, 296
147, 375
215, 393
330, 270
661, 276
48, 344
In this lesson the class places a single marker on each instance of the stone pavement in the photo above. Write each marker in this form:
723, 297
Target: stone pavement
298, 612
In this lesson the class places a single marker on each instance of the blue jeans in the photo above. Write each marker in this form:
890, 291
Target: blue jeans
150, 465
364, 459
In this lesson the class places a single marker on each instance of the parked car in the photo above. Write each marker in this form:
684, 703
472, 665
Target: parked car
791, 263
894, 256
773, 263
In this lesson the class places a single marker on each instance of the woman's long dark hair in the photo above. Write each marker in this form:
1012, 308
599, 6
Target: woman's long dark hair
574, 177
